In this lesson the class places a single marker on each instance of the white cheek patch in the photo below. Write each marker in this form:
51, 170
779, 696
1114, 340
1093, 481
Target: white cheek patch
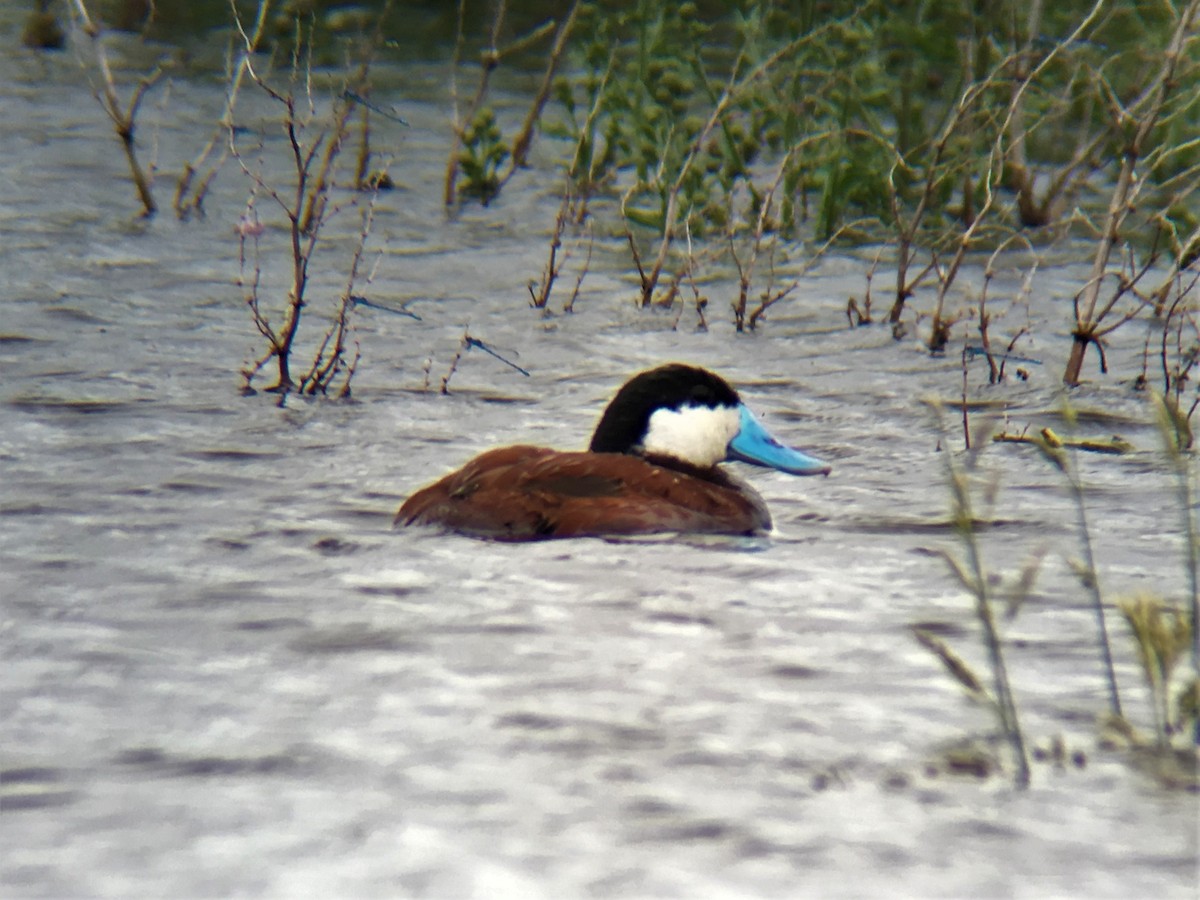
699, 435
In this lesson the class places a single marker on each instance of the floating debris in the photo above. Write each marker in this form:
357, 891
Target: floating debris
1047, 437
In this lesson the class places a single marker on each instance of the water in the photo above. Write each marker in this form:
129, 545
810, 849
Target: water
224, 672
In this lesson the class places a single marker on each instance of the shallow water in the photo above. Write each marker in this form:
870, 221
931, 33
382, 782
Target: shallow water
224, 672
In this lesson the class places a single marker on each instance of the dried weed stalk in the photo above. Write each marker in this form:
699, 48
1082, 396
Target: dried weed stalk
1055, 452
974, 576
539, 291
1033, 210
996, 370
965, 120
313, 146
190, 194
123, 118
1136, 120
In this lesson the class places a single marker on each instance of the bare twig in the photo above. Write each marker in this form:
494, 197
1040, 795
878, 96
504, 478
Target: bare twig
524, 138
307, 210
186, 200
326, 368
772, 296
344, 108
123, 119
569, 306
1138, 119
541, 297
463, 345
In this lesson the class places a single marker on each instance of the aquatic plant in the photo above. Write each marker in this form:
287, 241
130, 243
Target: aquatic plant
541, 296
1172, 425
972, 148
1179, 352
1043, 187
681, 196
769, 133
938, 129
1054, 452
1162, 632
190, 195
198, 174
483, 153
123, 116
1142, 119
975, 578
745, 270
940, 157
477, 149
744, 317
1162, 635
314, 146
42, 31
998, 361
646, 95
539, 291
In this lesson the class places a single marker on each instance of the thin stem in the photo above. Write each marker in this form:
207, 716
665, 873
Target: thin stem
1191, 550
1093, 584
524, 138
123, 120
979, 587
1128, 186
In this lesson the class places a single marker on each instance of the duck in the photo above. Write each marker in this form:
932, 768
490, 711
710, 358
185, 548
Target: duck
653, 466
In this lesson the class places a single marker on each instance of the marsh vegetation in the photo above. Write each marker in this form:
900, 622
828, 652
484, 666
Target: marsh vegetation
743, 144
225, 673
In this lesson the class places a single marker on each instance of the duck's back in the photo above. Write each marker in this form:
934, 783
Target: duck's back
529, 493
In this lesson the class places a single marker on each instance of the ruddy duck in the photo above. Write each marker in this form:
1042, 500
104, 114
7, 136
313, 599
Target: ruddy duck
651, 467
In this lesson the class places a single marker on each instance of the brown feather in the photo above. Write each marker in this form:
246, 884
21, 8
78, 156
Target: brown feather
528, 493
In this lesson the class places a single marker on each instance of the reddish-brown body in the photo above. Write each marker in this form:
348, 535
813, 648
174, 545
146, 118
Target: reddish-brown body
528, 493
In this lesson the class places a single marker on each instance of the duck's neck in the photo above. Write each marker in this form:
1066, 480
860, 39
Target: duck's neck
715, 474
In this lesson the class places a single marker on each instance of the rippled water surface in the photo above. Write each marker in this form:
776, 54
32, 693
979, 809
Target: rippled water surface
224, 673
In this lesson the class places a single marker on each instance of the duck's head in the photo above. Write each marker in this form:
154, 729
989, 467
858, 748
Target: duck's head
690, 415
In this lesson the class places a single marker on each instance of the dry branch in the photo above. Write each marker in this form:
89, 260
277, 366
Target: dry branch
1137, 119
123, 119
